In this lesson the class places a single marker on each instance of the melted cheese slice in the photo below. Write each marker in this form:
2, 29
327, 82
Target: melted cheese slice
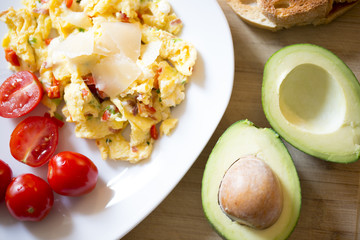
150, 51
79, 19
110, 52
75, 45
115, 73
119, 37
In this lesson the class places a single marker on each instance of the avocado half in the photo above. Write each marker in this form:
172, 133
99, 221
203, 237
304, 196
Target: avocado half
312, 99
240, 140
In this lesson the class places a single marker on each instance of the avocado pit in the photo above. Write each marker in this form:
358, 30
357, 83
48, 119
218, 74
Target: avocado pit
251, 194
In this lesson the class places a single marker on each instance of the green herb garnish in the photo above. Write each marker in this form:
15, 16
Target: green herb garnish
32, 40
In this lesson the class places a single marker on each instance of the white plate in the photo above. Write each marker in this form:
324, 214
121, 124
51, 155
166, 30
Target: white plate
127, 193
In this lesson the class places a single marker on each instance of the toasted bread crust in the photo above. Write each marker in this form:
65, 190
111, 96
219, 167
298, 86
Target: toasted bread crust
279, 14
295, 12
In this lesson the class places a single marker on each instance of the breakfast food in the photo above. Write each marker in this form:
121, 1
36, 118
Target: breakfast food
278, 14
250, 187
6, 175
72, 174
311, 98
29, 198
34, 140
116, 64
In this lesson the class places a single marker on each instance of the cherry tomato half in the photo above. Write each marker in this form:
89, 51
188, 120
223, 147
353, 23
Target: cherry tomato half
72, 174
29, 198
5, 178
34, 140
19, 94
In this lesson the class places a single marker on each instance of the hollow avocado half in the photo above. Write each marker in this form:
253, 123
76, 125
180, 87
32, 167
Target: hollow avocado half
312, 99
240, 140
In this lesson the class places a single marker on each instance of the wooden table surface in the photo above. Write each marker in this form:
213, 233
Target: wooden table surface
330, 192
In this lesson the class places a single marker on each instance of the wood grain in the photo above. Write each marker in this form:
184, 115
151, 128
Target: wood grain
330, 192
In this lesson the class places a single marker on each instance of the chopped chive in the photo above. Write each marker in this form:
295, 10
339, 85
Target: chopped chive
81, 30
108, 140
32, 40
111, 109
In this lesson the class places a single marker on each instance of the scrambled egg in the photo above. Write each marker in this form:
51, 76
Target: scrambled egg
116, 64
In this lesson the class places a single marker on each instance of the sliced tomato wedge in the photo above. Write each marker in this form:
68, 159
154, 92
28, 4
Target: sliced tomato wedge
19, 94
34, 140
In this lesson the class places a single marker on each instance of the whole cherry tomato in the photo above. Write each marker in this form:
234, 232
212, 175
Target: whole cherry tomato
29, 198
72, 174
34, 140
5, 178
19, 94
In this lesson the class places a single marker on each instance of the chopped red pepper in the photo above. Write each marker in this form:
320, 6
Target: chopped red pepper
53, 92
84, 92
89, 79
48, 41
139, 15
106, 115
145, 108
55, 82
90, 82
68, 3
153, 132
124, 18
11, 57
156, 78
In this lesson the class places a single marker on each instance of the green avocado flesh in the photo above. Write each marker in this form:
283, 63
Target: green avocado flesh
312, 99
240, 140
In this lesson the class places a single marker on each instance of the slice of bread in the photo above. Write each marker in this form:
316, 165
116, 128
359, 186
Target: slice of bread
279, 14
249, 11
294, 12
